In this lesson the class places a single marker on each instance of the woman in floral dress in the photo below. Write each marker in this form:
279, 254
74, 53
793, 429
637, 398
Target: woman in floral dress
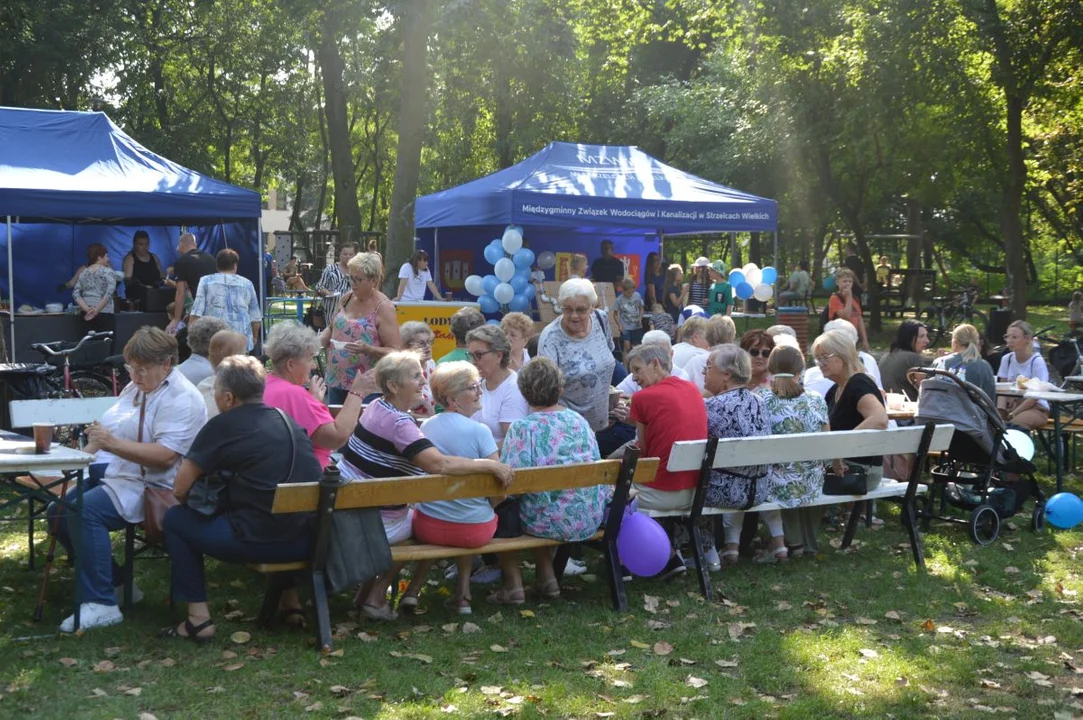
550, 435
792, 410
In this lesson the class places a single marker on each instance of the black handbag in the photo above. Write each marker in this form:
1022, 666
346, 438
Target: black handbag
854, 482
315, 317
509, 523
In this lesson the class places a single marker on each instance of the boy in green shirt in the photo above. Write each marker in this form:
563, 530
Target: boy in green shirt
721, 294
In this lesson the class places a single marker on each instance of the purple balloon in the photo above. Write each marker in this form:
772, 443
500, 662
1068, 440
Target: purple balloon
643, 545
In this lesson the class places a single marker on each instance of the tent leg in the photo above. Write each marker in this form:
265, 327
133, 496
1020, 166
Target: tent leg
11, 293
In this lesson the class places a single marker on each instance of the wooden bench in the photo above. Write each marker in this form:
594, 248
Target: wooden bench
332, 494
705, 455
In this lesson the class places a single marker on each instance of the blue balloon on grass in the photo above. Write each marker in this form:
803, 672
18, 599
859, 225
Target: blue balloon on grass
830, 284
489, 283
769, 275
743, 290
488, 304
519, 303
736, 277
524, 258
1064, 510
519, 284
493, 253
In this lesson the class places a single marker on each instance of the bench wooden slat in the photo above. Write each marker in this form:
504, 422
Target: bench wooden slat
61, 411
887, 489
302, 497
741, 452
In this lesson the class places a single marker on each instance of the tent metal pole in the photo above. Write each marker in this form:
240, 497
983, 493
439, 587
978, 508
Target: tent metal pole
11, 294
775, 256
262, 290
436, 260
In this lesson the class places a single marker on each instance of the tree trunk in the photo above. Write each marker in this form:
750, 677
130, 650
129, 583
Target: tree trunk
295, 216
332, 67
1010, 224
400, 224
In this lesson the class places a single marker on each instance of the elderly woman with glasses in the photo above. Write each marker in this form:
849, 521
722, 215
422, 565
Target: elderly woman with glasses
580, 343
417, 337
501, 402
143, 437
758, 344
292, 387
733, 411
387, 444
363, 330
853, 402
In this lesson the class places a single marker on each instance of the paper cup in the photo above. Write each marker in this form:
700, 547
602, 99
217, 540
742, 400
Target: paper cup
43, 437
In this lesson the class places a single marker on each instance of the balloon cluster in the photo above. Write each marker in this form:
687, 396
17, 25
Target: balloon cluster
508, 288
750, 281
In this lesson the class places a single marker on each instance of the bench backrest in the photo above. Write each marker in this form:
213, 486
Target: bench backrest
799, 447
62, 411
303, 497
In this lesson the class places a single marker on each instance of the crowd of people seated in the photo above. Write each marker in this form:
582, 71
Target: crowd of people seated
502, 399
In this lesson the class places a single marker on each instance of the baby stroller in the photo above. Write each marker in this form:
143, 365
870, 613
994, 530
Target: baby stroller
972, 475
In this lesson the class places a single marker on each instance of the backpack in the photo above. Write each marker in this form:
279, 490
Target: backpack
824, 318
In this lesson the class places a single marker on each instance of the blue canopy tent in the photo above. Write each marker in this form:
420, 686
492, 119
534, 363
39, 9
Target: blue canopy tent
569, 197
69, 179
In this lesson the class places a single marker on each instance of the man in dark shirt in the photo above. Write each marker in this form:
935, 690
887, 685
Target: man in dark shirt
190, 268
853, 262
607, 268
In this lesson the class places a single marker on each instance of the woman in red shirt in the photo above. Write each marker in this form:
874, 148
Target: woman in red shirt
845, 306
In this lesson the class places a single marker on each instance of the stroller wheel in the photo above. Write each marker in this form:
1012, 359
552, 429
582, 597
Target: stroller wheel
1037, 518
984, 525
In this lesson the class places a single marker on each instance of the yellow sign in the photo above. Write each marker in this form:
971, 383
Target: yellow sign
437, 315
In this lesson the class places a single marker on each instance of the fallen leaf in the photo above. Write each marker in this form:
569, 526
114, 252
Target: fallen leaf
650, 603
134, 692
240, 637
662, 648
365, 637
866, 652
228, 655
146, 716
337, 653
234, 666
892, 615
782, 606
497, 617
105, 666
168, 662
450, 627
1035, 675
640, 645
657, 624
928, 626
526, 613
1011, 570
68, 662
111, 652
98, 692
314, 707
865, 621
902, 681
736, 630
469, 627
990, 684
694, 682
491, 690
726, 663
498, 648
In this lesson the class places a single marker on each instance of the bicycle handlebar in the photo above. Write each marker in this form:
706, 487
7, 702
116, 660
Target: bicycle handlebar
48, 348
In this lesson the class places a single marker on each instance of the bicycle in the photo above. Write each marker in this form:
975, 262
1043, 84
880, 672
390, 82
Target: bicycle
81, 382
948, 312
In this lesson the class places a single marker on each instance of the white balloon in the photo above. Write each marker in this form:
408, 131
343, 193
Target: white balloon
749, 268
504, 293
512, 240
763, 292
473, 285
754, 276
504, 269
546, 260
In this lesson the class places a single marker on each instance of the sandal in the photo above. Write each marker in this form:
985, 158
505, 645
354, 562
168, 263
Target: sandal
730, 557
503, 596
549, 590
460, 605
294, 617
408, 605
191, 632
773, 556
384, 612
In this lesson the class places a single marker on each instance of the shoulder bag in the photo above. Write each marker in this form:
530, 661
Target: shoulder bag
156, 500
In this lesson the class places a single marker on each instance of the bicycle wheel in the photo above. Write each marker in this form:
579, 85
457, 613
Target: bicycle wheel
977, 319
87, 384
930, 316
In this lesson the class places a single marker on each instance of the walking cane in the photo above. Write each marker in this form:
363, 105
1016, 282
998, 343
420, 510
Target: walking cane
49, 556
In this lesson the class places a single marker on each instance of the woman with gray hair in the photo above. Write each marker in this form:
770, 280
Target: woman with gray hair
198, 367
733, 411
292, 386
388, 444
720, 331
501, 402
417, 337
252, 449
580, 343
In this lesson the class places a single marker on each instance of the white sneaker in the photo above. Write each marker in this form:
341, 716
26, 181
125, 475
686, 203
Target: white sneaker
575, 567
137, 594
451, 572
93, 615
487, 575
714, 563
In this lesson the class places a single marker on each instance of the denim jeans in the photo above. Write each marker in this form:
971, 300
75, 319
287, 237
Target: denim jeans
190, 536
99, 574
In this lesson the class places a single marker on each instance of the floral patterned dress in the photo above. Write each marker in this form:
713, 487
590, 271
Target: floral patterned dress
794, 484
343, 365
556, 438
736, 414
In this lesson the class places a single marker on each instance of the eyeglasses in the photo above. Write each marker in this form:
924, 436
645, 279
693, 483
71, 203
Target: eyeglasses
822, 360
575, 310
475, 388
757, 352
134, 371
477, 356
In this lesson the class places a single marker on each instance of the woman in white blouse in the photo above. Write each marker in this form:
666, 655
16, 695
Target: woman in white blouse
171, 412
1024, 361
414, 277
501, 401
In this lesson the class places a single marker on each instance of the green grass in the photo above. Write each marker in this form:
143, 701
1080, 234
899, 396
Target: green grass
978, 615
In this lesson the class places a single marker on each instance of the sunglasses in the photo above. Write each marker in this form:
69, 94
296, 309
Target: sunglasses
757, 352
479, 355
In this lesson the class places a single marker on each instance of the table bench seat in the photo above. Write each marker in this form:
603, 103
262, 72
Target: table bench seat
887, 489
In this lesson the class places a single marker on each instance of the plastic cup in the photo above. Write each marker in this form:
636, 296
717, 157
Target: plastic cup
43, 437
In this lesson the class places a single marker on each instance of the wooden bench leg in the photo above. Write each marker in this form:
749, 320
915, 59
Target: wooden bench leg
129, 568
851, 524
701, 562
910, 522
615, 576
275, 584
30, 565
323, 612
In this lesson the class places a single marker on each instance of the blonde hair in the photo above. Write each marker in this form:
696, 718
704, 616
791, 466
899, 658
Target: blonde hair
518, 322
151, 345
692, 326
839, 343
788, 361
720, 330
224, 344
451, 378
969, 338
845, 273
1024, 327
395, 367
368, 264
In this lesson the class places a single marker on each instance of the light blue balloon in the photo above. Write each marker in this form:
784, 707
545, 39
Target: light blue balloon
493, 321
489, 283
736, 277
1064, 510
524, 258
829, 283
519, 284
770, 275
744, 290
488, 304
519, 303
493, 253
530, 292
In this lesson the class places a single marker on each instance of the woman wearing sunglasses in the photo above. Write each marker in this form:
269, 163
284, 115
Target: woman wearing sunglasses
758, 344
501, 401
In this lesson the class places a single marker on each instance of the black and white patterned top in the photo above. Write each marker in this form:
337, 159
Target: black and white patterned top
95, 283
335, 281
736, 414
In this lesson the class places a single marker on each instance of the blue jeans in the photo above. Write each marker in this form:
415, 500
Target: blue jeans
189, 536
99, 574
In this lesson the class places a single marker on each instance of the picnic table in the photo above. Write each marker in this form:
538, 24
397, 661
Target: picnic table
1060, 404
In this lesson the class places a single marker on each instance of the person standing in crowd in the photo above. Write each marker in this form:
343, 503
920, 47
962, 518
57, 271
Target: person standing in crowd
854, 264
414, 277
230, 297
462, 322
699, 287
845, 305
608, 268
142, 268
577, 269
883, 272
519, 328
191, 266
628, 311
797, 286
654, 281
720, 299
335, 280
675, 293
93, 291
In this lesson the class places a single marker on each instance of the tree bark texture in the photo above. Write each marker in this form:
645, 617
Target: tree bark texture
347, 209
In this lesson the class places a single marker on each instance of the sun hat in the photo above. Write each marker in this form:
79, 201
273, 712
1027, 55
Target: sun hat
701, 262
719, 267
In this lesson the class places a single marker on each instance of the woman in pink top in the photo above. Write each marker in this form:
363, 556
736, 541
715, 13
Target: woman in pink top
292, 388
362, 331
